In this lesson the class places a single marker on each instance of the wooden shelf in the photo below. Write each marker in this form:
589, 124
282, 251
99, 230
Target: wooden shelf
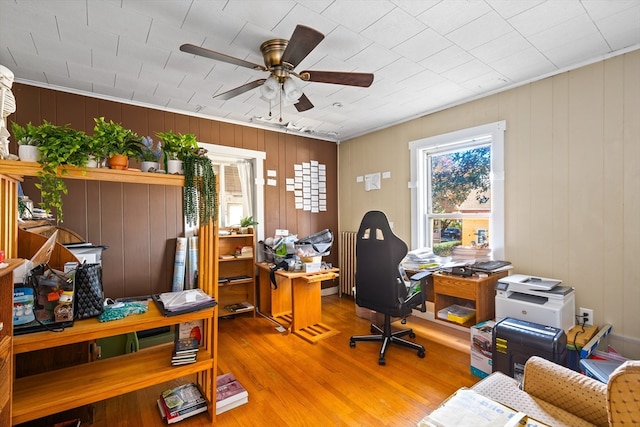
89, 383
17, 168
91, 329
240, 290
39, 395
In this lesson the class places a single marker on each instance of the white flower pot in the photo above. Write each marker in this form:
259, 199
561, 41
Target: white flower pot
92, 162
174, 167
145, 166
28, 153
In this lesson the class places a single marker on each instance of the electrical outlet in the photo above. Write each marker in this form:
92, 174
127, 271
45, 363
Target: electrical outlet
585, 316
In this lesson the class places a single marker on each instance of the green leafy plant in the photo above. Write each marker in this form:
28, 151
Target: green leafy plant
248, 221
113, 138
60, 146
25, 135
200, 201
176, 145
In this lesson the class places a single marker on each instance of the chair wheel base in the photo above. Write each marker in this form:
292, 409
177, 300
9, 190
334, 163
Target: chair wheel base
381, 361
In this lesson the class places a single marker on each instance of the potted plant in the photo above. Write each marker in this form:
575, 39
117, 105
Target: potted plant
150, 155
176, 147
246, 223
200, 201
27, 142
60, 146
119, 143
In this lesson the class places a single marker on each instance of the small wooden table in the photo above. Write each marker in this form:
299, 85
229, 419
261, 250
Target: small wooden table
449, 289
297, 300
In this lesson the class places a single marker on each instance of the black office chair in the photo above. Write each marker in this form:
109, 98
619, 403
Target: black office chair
380, 285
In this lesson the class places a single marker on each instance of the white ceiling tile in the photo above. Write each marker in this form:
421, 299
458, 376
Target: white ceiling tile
601, 9
130, 26
446, 59
567, 33
482, 30
423, 45
468, 71
510, 8
415, 7
564, 55
358, 14
523, 65
622, 30
260, 13
545, 15
504, 46
373, 58
302, 15
393, 28
450, 15
113, 91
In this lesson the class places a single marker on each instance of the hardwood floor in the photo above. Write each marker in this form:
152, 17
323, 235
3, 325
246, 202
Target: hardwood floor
295, 383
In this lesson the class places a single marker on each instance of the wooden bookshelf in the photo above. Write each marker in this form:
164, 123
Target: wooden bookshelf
51, 392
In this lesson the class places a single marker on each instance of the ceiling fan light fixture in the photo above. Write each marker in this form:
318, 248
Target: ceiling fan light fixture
291, 90
270, 88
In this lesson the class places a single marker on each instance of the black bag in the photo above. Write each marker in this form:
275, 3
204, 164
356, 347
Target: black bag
89, 297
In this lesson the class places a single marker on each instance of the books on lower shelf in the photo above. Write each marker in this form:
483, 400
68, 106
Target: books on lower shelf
181, 402
229, 393
239, 307
185, 351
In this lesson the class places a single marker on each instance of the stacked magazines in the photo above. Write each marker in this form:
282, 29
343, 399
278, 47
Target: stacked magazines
185, 352
181, 402
174, 303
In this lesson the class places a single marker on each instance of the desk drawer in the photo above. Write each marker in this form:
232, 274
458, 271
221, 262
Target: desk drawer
455, 286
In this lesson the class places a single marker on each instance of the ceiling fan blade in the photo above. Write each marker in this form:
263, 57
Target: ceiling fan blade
239, 90
302, 42
339, 78
201, 51
303, 104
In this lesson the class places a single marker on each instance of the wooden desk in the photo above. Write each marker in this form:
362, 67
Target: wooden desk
449, 290
297, 300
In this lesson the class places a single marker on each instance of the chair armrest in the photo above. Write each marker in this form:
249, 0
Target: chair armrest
566, 389
623, 390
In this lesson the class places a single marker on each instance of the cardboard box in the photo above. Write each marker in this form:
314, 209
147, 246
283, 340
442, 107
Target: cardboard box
482, 348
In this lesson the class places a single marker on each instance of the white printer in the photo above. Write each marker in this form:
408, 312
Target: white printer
537, 300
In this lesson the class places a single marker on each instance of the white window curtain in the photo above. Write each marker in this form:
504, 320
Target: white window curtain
245, 174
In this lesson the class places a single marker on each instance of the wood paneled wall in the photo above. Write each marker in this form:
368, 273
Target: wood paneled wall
139, 223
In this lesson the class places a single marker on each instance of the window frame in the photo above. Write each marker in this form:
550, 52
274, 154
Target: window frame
419, 171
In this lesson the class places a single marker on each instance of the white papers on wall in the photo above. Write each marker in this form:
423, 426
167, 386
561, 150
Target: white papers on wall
309, 186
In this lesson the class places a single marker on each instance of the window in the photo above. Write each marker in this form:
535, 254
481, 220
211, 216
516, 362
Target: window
240, 184
457, 189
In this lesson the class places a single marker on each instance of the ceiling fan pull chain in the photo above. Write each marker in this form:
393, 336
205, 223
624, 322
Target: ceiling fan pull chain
281, 106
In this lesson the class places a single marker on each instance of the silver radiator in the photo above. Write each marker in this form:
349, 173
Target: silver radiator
347, 255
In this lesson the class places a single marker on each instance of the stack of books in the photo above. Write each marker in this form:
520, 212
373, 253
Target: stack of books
229, 393
239, 307
185, 352
181, 402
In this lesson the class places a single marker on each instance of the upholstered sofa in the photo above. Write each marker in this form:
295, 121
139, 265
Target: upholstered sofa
558, 396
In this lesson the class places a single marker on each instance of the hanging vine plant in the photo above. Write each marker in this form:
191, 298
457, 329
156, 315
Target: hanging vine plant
60, 146
200, 196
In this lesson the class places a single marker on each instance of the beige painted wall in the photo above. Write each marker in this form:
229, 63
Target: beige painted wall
572, 182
